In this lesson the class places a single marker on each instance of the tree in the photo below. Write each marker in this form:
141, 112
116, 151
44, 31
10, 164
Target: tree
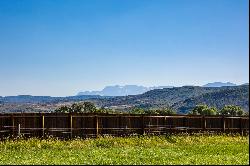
89, 107
107, 110
203, 110
166, 111
232, 110
77, 107
210, 111
198, 110
162, 111
63, 109
151, 111
86, 107
137, 111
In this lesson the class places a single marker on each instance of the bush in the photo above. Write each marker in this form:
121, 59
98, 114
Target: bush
203, 110
232, 110
86, 107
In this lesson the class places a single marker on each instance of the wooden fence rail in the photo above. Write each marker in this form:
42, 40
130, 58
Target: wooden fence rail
69, 125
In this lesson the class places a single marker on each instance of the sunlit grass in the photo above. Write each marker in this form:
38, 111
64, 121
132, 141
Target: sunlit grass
178, 149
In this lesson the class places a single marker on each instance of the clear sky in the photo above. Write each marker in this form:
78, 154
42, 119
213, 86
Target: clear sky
61, 47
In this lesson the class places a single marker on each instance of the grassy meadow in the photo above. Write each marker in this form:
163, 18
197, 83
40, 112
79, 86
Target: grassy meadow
134, 150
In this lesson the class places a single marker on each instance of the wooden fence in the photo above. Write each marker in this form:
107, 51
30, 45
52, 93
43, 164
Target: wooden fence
71, 125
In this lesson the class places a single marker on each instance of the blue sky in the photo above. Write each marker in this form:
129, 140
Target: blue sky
61, 47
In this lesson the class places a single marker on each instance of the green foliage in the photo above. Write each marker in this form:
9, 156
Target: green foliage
137, 111
63, 109
77, 107
106, 111
198, 110
203, 110
89, 107
162, 111
86, 107
134, 150
210, 111
232, 110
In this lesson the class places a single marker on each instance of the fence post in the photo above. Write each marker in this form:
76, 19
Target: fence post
171, 125
43, 124
19, 130
119, 121
96, 125
13, 124
204, 123
165, 124
223, 124
184, 122
165, 120
71, 124
241, 126
142, 125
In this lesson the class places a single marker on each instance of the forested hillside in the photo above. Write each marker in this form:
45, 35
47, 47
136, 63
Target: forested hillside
236, 96
183, 98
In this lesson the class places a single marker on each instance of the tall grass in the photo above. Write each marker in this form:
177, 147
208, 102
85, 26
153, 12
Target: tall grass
175, 149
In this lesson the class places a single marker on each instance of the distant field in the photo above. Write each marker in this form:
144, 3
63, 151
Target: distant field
217, 149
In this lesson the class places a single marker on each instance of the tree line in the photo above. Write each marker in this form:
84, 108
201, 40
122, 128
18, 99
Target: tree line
89, 107
231, 110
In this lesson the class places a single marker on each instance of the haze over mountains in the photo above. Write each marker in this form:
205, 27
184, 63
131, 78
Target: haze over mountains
118, 90
219, 84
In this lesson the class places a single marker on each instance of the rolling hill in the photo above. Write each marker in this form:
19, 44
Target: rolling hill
235, 96
183, 98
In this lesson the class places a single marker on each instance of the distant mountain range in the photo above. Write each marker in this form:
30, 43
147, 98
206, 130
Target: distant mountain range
45, 99
125, 90
118, 90
181, 99
219, 84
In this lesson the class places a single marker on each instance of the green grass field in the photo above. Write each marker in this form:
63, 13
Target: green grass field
217, 149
